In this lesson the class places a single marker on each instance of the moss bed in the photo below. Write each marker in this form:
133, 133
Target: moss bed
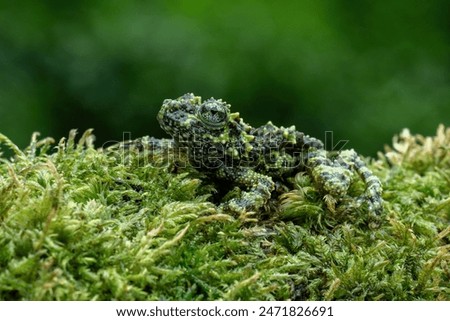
77, 223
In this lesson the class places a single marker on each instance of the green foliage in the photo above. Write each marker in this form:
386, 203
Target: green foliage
77, 223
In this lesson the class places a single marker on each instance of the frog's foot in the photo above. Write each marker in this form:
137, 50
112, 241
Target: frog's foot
246, 202
258, 189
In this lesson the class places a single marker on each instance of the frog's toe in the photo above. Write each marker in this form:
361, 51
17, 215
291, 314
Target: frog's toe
235, 206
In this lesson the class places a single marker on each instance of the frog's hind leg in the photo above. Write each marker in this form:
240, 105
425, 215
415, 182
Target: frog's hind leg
374, 189
330, 175
334, 176
154, 150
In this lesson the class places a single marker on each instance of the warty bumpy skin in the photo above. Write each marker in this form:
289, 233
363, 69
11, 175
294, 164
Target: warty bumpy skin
220, 144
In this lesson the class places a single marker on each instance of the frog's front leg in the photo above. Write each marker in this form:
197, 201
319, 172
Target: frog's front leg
258, 188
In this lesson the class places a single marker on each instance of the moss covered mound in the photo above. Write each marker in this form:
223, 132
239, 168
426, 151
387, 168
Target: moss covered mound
77, 223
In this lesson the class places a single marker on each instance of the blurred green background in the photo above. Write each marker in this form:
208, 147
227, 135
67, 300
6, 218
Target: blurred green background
362, 69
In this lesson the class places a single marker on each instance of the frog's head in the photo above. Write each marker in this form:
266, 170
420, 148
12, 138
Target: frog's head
188, 119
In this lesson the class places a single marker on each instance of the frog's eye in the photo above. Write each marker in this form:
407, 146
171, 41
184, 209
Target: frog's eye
213, 113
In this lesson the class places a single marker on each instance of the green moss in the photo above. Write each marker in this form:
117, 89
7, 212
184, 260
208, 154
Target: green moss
79, 224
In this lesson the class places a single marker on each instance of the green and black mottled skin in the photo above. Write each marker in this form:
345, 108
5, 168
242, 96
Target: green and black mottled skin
220, 144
